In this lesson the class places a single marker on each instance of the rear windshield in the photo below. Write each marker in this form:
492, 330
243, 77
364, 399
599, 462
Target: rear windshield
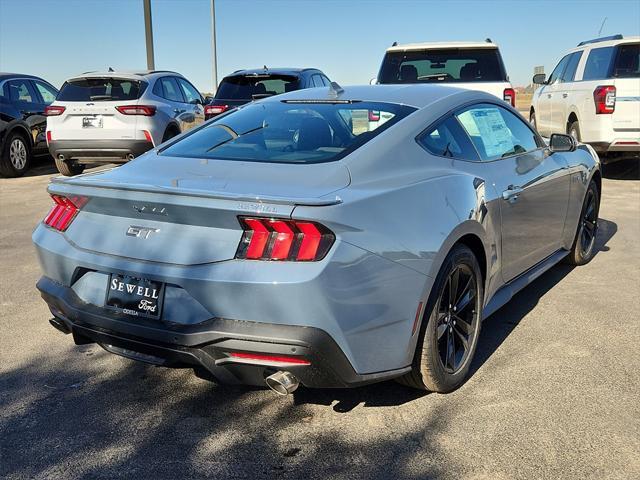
101, 90
288, 132
253, 87
451, 65
627, 62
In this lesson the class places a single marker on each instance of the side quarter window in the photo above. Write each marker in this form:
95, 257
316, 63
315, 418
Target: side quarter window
496, 132
47, 92
448, 139
598, 64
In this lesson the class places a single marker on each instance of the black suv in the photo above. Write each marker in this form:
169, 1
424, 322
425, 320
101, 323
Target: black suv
243, 86
23, 99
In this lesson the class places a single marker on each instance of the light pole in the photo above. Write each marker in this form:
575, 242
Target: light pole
148, 33
213, 46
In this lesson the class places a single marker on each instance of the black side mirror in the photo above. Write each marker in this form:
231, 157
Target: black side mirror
208, 99
562, 143
197, 101
540, 79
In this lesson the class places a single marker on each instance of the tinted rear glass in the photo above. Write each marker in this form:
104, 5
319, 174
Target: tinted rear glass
101, 90
251, 87
456, 65
280, 132
627, 61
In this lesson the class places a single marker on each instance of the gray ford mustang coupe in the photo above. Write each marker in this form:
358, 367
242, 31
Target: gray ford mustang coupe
327, 237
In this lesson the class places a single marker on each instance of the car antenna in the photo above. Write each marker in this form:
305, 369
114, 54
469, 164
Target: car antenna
264, 67
111, 70
335, 89
488, 40
394, 44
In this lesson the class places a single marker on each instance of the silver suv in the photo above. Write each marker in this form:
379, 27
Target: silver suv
112, 117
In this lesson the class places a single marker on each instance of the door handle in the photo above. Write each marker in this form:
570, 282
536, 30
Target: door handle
177, 110
565, 95
548, 95
512, 193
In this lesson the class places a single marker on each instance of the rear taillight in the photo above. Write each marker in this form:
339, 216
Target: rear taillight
48, 136
148, 136
284, 240
509, 96
53, 110
604, 96
267, 358
64, 211
211, 110
146, 110
374, 115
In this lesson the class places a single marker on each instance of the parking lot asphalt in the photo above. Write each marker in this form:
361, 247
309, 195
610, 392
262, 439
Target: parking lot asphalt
554, 391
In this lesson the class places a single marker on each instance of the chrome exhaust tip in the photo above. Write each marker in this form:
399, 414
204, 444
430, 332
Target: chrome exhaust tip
61, 157
283, 383
130, 156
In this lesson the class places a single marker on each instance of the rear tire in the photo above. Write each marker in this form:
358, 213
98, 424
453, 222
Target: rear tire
583, 249
170, 133
16, 157
451, 326
574, 131
68, 168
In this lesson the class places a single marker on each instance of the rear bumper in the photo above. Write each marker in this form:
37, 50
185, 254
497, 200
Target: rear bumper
206, 346
622, 145
97, 151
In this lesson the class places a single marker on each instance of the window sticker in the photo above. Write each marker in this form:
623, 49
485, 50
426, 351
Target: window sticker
488, 126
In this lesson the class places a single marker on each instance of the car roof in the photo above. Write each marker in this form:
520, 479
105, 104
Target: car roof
131, 74
414, 95
440, 46
7, 75
605, 42
267, 71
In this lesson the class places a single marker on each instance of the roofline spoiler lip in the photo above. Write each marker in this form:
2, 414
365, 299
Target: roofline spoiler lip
63, 185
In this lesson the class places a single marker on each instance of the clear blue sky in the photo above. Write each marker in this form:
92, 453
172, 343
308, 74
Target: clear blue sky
56, 39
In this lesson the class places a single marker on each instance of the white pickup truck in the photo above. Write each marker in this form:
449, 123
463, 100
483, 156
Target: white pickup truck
471, 65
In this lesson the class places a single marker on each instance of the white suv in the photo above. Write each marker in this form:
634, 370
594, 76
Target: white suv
112, 117
594, 95
471, 65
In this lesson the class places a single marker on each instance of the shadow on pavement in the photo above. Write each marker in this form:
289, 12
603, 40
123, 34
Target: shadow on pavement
497, 327
627, 169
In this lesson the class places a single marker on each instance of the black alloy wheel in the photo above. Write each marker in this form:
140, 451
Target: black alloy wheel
450, 327
589, 224
457, 318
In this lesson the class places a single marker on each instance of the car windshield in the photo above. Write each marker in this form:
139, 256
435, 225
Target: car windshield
101, 90
451, 65
252, 87
627, 61
304, 131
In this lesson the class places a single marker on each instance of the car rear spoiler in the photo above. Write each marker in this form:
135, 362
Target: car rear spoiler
62, 185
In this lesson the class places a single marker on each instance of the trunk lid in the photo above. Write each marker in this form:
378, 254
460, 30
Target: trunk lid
185, 211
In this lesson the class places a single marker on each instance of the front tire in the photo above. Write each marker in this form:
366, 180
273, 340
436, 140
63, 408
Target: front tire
16, 156
450, 328
574, 131
68, 168
532, 120
583, 249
